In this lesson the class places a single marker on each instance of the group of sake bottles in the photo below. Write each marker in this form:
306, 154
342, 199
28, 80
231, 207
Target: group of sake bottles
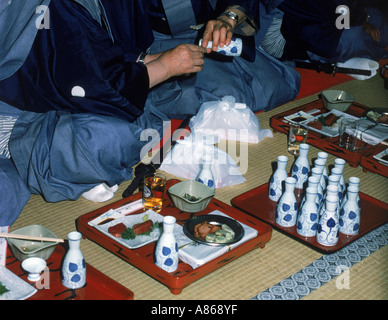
327, 208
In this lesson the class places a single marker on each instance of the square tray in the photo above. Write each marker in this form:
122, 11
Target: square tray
374, 213
363, 156
143, 258
98, 285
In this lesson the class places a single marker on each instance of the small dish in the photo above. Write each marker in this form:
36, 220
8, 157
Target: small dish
191, 196
380, 157
34, 266
337, 100
298, 117
23, 249
328, 131
236, 227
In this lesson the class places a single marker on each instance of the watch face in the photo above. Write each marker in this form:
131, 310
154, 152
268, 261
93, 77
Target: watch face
232, 15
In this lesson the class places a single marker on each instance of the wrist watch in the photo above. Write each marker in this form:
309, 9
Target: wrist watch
141, 58
231, 15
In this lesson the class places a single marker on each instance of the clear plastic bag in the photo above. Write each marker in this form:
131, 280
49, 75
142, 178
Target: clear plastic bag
185, 161
229, 121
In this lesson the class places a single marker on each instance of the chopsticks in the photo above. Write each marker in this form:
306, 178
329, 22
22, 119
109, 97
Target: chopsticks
32, 238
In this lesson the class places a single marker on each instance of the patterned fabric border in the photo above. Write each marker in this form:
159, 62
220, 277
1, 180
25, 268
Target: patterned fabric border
326, 268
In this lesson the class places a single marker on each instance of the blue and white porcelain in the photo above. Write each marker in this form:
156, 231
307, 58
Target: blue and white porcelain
74, 266
301, 168
287, 207
328, 227
323, 157
308, 217
205, 176
339, 165
355, 182
321, 165
317, 173
166, 252
275, 189
234, 49
350, 214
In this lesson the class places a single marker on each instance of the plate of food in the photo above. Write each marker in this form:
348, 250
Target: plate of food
327, 123
378, 115
213, 230
134, 231
382, 157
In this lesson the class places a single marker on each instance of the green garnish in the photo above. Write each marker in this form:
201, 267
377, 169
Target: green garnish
191, 198
128, 233
3, 289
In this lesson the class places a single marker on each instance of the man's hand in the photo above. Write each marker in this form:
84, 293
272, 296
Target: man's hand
219, 31
181, 60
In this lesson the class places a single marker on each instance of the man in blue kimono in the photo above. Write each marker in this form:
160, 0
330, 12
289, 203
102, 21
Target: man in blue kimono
84, 82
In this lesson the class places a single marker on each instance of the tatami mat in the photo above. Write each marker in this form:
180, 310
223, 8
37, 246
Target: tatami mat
257, 270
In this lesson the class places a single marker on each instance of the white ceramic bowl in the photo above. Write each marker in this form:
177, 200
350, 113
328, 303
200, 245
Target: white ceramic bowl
337, 99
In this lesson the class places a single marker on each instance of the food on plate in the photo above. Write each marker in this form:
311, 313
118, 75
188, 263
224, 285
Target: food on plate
330, 119
120, 230
117, 229
3, 289
315, 124
202, 229
378, 116
384, 119
143, 227
209, 232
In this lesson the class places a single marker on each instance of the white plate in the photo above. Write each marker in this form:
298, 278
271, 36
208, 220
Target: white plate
18, 288
129, 221
328, 131
299, 114
379, 157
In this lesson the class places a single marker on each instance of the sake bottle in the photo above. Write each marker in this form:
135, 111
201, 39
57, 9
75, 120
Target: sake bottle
317, 173
276, 182
339, 165
328, 226
301, 168
323, 157
74, 266
353, 181
349, 220
166, 251
205, 176
321, 165
308, 217
287, 208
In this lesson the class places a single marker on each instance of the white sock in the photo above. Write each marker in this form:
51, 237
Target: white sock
99, 193
113, 189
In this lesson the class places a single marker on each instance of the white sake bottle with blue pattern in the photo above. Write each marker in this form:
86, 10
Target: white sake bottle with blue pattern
350, 213
353, 181
275, 189
205, 175
308, 217
339, 165
328, 227
320, 164
166, 252
287, 207
323, 157
301, 168
74, 266
317, 173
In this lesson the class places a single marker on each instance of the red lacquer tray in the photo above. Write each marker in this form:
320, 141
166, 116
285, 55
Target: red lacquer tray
364, 155
98, 285
143, 258
374, 213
